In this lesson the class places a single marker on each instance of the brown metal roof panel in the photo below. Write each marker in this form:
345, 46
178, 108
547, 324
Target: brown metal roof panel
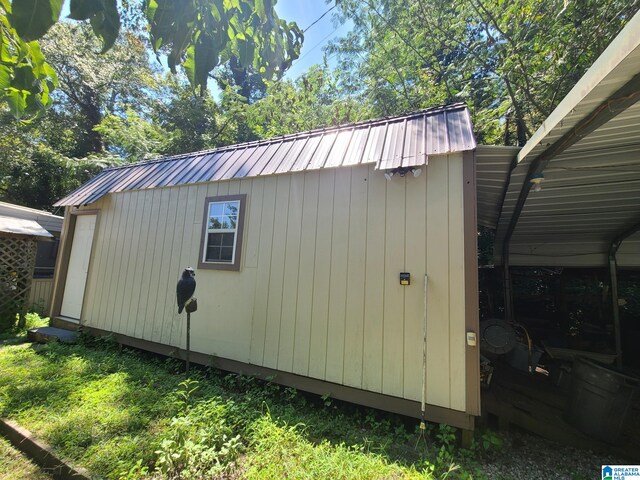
135, 172
104, 189
321, 154
68, 199
261, 165
353, 155
228, 162
263, 154
392, 147
404, 140
152, 170
255, 154
437, 135
296, 146
157, 174
375, 142
306, 154
278, 158
414, 143
176, 168
248, 157
100, 186
337, 154
217, 163
460, 131
207, 164
189, 165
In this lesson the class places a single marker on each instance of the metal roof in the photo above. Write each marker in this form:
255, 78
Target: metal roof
18, 227
591, 190
402, 141
493, 166
53, 223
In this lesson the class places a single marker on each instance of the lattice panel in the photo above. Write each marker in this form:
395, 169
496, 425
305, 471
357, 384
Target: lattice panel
17, 262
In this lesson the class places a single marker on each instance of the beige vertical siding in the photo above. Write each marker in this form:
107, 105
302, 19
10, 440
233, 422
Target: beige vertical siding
40, 294
318, 292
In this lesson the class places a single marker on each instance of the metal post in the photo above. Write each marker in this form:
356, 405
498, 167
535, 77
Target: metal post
508, 286
614, 297
613, 273
188, 340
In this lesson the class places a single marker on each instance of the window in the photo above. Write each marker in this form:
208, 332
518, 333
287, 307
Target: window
222, 232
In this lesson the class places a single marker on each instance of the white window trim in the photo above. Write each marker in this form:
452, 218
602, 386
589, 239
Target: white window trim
238, 231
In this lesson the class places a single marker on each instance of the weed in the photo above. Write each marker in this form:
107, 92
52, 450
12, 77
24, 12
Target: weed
183, 395
199, 443
128, 415
490, 441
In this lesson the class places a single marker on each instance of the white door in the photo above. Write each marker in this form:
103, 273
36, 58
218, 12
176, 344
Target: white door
78, 266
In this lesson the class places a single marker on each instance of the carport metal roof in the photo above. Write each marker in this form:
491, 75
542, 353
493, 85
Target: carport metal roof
20, 228
589, 153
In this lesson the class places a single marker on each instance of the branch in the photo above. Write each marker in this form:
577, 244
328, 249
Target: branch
528, 90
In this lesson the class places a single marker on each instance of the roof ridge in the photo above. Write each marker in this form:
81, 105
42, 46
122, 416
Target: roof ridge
308, 133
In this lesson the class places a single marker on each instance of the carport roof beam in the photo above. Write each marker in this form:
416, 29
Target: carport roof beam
617, 103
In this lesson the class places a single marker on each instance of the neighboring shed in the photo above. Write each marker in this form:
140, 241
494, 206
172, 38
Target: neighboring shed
39, 292
18, 247
298, 243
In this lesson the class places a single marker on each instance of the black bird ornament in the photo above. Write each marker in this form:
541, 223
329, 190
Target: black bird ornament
186, 287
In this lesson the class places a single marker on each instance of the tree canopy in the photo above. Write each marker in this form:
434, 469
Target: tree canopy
510, 61
198, 35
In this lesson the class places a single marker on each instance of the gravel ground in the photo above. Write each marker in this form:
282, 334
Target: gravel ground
15, 466
525, 456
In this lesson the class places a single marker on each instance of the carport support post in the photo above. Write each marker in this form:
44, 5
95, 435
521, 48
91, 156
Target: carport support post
614, 299
508, 287
613, 273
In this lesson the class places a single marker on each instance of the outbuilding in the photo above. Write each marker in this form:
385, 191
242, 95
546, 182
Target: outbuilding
339, 261
343, 261
28, 248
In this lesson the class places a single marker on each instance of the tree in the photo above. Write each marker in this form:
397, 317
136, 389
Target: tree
26, 79
37, 164
314, 100
197, 34
511, 61
131, 137
191, 121
99, 85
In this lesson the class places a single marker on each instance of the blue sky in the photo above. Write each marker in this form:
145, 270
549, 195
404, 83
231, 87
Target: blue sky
304, 13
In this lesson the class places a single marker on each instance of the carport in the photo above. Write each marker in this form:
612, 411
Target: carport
569, 200
572, 196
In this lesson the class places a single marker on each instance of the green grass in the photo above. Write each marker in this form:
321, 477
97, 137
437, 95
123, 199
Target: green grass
125, 414
15, 466
15, 329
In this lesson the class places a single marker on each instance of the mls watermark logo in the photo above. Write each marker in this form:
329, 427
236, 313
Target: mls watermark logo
607, 473
621, 472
